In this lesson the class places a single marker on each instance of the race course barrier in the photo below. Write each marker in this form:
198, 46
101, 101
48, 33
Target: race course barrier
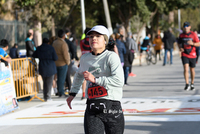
25, 78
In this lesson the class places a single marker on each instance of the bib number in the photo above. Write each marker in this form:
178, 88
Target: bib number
95, 91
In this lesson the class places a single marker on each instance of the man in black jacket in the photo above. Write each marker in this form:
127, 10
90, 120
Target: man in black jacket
47, 67
168, 41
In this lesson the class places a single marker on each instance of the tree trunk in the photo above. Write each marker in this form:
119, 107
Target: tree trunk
144, 25
37, 33
171, 18
139, 33
53, 27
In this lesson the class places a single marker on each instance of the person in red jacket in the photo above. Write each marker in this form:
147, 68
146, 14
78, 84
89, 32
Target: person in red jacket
188, 41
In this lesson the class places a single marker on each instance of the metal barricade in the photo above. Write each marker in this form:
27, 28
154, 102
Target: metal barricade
25, 78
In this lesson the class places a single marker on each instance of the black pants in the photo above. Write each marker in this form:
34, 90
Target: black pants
47, 85
111, 120
132, 58
158, 52
68, 82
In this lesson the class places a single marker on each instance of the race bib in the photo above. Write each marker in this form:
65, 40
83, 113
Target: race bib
95, 91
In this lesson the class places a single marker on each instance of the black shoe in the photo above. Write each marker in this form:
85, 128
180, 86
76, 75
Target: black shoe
163, 64
187, 87
63, 96
57, 94
82, 98
192, 87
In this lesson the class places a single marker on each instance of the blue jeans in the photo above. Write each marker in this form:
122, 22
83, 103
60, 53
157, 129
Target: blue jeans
61, 76
126, 72
171, 56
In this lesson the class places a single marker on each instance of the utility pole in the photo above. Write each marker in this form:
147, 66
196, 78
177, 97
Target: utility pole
107, 14
83, 15
179, 19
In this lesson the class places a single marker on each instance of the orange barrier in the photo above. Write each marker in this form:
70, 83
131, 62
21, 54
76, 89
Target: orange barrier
25, 78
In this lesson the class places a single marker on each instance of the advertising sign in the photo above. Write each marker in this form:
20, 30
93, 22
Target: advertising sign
8, 101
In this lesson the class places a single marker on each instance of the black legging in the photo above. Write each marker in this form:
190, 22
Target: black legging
158, 52
111, 123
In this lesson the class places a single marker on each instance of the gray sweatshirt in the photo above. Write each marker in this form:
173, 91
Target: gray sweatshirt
107, 70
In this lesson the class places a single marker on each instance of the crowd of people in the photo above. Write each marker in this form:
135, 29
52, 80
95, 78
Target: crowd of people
104, 67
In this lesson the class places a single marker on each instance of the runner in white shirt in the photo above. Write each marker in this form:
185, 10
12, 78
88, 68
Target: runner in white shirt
105, 78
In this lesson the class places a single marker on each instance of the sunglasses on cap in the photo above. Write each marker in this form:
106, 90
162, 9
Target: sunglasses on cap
186, 26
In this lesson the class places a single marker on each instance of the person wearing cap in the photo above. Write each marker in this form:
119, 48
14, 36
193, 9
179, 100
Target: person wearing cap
63, 61
188, 41
47, 67
105, 78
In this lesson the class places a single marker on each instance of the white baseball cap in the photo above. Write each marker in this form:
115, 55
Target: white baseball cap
99, 29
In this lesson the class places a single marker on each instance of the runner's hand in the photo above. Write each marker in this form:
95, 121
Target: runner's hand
69, 100
88, 76
190, 42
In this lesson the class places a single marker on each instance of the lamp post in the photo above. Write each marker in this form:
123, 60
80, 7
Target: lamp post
179, 19
83, 15
107, 14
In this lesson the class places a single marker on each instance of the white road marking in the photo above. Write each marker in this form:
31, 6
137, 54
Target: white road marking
135, 109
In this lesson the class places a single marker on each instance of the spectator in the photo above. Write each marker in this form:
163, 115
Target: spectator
85, 48
128, 59
30, 47
72, 53
14, 52
121, 48
158, 45
4, 57
112, 44
168, 41
132, 46
47, 67
51, 40
63, 61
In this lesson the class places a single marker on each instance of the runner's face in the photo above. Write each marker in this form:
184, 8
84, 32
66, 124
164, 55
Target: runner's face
97, 41
187, 28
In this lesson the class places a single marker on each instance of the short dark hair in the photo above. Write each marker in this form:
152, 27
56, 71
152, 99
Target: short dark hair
29, 34
61, 33
4, 43
67, 30
15, 45
45, 40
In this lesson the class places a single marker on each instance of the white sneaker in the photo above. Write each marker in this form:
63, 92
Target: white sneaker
192, 87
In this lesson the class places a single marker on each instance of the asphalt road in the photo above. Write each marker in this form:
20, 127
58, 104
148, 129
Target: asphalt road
151, 81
